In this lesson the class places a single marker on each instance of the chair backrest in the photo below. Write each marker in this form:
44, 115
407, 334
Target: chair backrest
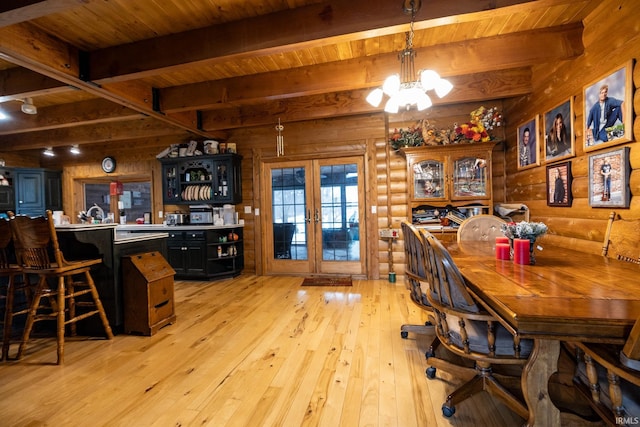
447, 285
415, 267
480, 227
621, 239
630, 355
5, 240
34, 238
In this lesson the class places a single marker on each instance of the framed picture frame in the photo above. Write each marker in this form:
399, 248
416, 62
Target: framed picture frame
559, 135
559, 181
529, 144
609, 179
608, 109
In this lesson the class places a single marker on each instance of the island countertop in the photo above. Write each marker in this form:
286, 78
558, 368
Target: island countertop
121, 234
166, 228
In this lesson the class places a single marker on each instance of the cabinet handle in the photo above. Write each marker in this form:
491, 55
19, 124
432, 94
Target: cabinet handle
317, 216
308, 218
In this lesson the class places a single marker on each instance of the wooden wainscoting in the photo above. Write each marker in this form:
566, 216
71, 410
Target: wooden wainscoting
249, 351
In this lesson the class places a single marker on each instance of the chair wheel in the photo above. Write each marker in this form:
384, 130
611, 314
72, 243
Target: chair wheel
404, 334
431, 372
448, 411
428, 323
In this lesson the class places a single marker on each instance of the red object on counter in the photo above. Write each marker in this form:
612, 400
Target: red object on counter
521, 251
502, 251
502, 239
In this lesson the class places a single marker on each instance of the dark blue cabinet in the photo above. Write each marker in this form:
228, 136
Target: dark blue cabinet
37, 190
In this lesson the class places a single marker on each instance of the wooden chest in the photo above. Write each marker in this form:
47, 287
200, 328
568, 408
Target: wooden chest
148, 293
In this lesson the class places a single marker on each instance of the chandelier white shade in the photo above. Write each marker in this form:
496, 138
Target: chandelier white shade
405, 90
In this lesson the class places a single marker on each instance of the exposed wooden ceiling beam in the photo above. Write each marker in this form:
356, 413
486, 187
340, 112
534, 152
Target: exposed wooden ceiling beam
18, 82
67, 115
25, 45
16, 11
90, 134
300, 28
480, 86
511, 51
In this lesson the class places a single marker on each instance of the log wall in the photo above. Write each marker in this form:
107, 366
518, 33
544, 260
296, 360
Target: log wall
611, 38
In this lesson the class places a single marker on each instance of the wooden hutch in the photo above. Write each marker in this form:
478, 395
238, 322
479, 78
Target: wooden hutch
448, 183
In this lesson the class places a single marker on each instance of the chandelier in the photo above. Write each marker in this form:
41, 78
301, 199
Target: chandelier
404, 89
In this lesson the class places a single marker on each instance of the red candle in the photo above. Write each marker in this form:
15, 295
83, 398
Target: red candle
521, 251
502, 251
503, 239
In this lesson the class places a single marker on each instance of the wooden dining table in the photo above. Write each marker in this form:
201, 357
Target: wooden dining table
566, 296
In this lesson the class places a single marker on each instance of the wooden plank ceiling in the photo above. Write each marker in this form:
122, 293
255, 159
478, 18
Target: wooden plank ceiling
119, 71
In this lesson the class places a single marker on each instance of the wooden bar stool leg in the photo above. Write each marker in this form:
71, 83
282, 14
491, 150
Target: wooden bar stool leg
35, 303
60, 319
71, 304
98, 303
8, 318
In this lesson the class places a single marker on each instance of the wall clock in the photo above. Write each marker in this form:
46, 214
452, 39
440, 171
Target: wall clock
108, 164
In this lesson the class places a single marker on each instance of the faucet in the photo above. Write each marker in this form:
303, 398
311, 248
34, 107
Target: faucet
99, 212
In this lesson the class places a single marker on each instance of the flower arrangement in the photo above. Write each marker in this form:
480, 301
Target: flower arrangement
477, 129
524, 230
410, 137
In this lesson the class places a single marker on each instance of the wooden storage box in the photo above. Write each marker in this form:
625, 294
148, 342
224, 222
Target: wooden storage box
148, 293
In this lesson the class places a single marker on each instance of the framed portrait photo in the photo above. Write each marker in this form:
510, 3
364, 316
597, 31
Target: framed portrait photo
559, 185
609, 179
528, 144
559, 136
608, 109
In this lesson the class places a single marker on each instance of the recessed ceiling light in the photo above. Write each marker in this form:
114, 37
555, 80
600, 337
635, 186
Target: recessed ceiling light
49, 152
74, 149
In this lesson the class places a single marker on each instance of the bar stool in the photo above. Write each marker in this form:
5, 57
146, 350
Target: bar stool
34, 238
10, 271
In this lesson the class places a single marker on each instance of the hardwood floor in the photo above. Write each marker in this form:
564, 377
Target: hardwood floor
251, 351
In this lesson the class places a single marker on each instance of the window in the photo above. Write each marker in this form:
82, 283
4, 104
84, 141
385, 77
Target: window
136, 198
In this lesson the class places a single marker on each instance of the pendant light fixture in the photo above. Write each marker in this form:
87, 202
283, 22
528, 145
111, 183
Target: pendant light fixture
405, 89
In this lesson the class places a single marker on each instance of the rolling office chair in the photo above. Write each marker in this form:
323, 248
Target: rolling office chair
465, 330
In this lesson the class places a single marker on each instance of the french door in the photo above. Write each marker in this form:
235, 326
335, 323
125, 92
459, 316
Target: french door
313, 217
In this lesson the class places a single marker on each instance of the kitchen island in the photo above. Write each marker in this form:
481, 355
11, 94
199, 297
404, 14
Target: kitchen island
109, 243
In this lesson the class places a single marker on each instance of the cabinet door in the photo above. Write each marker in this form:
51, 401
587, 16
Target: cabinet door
30, 192
170, 186
227, 179
195, 259
53, 190
470, 177
429, 179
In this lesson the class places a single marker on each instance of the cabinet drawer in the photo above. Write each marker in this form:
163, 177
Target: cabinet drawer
195, 235
160, 300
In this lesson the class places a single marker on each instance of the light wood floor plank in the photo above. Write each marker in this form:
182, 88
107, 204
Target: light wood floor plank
249, 351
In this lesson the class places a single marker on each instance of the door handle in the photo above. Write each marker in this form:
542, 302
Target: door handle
317, 216
308, 218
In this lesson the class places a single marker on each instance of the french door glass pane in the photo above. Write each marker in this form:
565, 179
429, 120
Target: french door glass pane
289, 207
339, 204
